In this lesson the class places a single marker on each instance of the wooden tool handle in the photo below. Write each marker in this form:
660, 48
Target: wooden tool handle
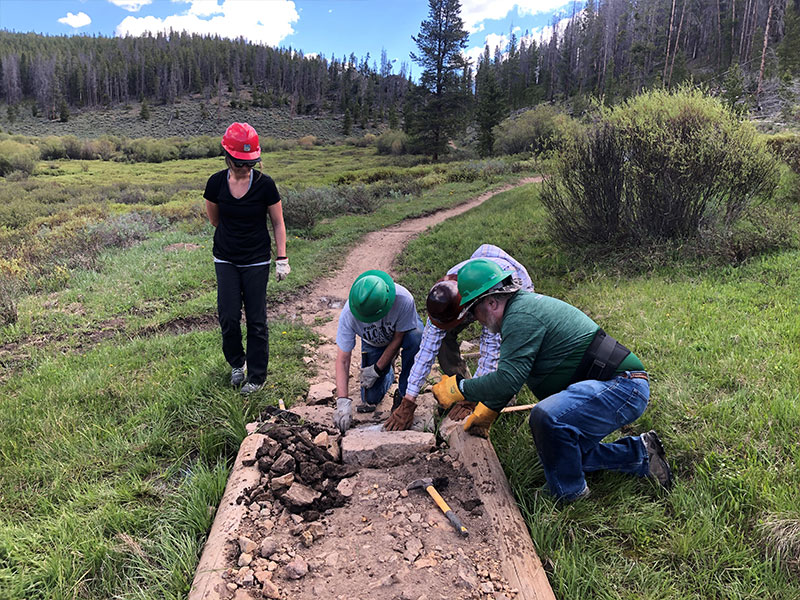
438, 499
519, 408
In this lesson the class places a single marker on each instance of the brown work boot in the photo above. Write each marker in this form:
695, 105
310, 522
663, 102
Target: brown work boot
659, 467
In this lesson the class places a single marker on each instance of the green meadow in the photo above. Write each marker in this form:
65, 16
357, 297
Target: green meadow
117, 426
722, 346
117, 423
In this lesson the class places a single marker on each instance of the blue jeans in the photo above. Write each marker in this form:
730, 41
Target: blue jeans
408, 351
568, 428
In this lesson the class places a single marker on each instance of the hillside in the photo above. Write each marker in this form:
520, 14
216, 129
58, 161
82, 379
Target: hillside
185, 118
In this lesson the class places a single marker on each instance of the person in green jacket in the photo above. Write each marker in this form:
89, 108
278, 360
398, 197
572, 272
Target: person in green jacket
588, 384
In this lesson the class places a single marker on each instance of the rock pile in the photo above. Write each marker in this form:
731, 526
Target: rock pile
299, 469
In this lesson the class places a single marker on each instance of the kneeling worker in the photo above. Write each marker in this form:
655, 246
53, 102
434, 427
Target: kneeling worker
589, 384
383, 315
446, 319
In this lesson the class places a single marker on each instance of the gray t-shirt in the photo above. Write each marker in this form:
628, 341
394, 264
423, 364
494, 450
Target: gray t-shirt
401, 317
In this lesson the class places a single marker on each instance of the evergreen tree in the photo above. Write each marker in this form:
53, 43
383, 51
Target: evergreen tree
144, 112
490, 110
440, 41
64, 111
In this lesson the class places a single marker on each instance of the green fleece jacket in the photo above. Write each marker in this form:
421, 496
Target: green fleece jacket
544, 340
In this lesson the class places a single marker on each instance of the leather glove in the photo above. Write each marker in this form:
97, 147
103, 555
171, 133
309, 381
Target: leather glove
446, 391
403, 415
460, 410
481, 419
343, 415
370, 374
282, 268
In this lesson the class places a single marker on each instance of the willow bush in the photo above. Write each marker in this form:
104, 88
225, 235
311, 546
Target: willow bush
662, 166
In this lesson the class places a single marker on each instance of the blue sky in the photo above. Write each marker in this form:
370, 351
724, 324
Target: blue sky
325, 27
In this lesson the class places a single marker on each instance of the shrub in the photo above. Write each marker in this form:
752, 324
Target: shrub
8, 299
16, 156
786, 146
392, 142
538, 130
150, 150
52, 147
307, 141
661, 166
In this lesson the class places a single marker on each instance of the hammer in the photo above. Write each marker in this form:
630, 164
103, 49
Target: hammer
452, 517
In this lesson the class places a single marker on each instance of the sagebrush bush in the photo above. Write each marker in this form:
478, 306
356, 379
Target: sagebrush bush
787, 147
538, 130
392, 142
17, 156
664, 165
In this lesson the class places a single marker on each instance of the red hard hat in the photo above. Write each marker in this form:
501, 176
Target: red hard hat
443, 303
241, 142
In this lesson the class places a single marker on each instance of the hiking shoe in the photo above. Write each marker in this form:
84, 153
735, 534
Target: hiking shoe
544, 490
237, 376
366, 407
251, 388
396, 399
659, 467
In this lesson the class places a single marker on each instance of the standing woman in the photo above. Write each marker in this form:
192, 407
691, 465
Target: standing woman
238, 200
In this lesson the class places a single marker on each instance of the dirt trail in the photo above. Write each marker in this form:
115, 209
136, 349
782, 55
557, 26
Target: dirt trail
384, 543
376, 251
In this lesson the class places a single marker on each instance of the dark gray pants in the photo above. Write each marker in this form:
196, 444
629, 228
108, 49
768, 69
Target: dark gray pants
449, 356
237, 286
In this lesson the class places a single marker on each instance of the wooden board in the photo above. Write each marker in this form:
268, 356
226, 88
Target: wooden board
208, 583
521, 565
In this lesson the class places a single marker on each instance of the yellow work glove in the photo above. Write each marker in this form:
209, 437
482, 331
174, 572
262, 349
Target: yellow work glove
446, 391
481, 419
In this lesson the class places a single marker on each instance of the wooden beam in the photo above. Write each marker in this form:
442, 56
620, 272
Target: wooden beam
521, 565
208, 583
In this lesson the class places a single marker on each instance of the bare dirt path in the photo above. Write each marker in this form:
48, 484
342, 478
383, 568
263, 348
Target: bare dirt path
384, 543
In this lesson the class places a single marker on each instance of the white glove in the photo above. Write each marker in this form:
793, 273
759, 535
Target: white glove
282, 268
369, 375
343, 415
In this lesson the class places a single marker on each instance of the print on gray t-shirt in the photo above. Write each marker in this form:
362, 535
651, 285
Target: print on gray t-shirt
401, 317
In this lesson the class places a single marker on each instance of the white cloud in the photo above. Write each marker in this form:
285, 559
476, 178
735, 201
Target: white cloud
258, 22
75, 21
204, 8
131, 5
475, 12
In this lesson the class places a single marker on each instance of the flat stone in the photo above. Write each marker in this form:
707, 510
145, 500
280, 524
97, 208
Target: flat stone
322, 440
380, 449
245, 559
300, 495
425, 414
246, 545
270, 590
282, 482
319, 414
321, 393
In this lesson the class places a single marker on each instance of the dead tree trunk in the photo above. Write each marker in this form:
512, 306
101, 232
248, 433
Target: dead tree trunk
677, 41
764, 51
669, 41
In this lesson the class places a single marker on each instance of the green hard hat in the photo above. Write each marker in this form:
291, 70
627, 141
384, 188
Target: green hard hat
479, 276
372, 296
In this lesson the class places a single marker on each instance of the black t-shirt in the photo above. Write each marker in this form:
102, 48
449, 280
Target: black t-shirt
242, 236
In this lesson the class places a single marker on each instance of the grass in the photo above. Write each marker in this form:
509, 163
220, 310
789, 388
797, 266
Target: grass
116, 435
721, 345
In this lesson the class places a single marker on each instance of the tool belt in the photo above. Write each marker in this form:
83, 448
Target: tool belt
601, 359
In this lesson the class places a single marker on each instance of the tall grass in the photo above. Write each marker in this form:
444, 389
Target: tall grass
720, 343
116, 434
